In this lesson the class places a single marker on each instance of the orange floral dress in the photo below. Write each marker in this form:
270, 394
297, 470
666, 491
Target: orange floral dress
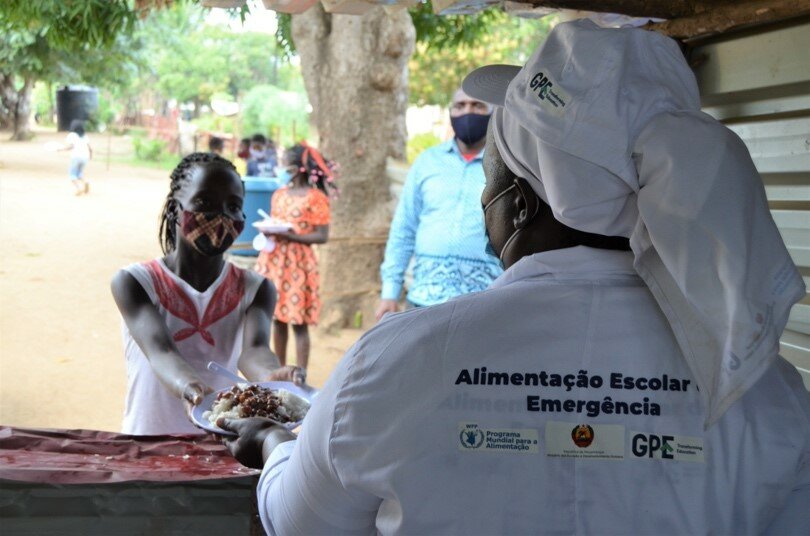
292, 266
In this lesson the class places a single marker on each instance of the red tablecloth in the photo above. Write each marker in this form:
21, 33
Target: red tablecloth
92, 457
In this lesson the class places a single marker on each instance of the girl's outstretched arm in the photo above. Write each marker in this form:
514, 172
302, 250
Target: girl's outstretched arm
319, 235
258, 362
151, 335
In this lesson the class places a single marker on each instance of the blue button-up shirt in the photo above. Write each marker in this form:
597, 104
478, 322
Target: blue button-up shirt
440, 223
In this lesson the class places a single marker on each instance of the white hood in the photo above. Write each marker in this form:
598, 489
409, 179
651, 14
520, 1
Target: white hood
607, 127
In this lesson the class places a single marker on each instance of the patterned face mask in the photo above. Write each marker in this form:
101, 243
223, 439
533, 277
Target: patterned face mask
209, 233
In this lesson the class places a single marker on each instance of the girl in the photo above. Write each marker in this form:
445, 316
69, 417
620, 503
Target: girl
190, 307
80, 153
291, 265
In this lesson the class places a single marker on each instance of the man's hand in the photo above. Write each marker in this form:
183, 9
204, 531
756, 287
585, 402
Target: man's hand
288, 373
386, 306
257, 437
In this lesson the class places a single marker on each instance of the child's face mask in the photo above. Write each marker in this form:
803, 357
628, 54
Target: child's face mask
210, 233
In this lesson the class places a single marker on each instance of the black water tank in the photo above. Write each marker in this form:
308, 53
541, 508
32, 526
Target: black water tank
75, 102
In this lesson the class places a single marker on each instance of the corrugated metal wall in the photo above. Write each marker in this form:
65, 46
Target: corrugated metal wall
759, 85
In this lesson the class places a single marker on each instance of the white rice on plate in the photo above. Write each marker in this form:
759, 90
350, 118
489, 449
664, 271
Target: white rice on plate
278, 404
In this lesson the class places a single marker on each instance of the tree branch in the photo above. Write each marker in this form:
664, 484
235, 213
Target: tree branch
659, 9
731, 17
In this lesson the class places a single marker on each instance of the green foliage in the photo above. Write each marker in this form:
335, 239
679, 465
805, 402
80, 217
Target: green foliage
448, 47
70, 26
61, 41
436, 72
52, 39
419, 143
192, 60
105, 114
266, 109
148, 150
44, 103
284, 38
191, 72
445, 32
216, 123
434, 31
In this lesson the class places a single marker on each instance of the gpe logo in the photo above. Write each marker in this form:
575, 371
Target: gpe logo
541, 85
652, 446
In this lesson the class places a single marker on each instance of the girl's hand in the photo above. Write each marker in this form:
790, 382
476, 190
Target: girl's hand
193, 394
194, 391
286, 235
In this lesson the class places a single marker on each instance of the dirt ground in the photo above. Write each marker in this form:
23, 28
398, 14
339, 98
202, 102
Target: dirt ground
61, 356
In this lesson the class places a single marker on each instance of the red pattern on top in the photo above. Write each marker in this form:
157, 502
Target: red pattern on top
172, 297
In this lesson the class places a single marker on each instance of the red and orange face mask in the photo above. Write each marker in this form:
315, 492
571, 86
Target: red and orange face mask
209, 233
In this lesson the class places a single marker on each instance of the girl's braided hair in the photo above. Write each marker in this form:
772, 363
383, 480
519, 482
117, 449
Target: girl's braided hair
181, 175
320, 171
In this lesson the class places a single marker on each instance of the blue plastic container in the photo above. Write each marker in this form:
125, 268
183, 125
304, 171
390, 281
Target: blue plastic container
258, 191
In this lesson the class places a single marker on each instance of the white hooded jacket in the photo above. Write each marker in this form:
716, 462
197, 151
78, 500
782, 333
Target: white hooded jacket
459, 419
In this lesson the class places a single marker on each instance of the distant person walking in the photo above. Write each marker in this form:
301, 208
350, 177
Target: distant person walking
80, 153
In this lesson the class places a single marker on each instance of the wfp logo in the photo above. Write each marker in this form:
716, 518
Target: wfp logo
471, 438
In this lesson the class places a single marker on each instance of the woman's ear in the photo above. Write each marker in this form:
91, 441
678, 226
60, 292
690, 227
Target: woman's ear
527, 203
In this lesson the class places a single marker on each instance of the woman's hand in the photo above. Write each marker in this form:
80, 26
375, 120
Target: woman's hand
256, 439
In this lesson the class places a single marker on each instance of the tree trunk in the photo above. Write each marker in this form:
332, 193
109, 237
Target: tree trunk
8, 101
16, 105
355, 71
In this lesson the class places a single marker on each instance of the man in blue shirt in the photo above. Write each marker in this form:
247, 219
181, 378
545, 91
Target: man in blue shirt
438, 221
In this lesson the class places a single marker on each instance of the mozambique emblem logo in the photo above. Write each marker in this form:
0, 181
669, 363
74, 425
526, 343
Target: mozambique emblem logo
582, 435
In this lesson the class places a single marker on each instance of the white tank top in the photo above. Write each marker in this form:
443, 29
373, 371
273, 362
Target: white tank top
206, 326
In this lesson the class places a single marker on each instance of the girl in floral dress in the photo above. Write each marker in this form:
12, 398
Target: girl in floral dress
291, 265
